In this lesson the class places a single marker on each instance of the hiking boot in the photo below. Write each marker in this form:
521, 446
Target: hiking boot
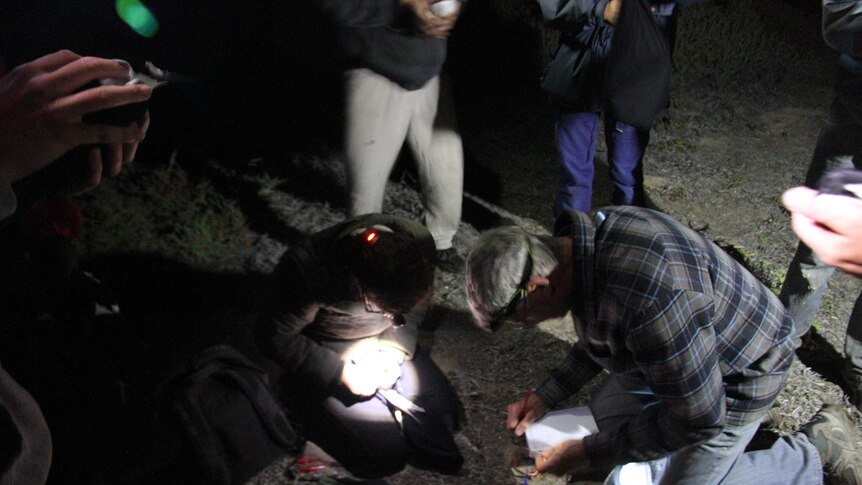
854, 385
856, 398
450, 261
834, 435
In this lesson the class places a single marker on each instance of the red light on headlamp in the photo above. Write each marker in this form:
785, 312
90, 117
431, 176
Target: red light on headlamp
371, 237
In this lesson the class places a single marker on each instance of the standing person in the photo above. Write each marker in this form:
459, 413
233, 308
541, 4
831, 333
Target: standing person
838, 145
394, 93
342, 321
587, 27
40, 120
696, 346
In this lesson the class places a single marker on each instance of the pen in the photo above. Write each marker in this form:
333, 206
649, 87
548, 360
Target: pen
523, 412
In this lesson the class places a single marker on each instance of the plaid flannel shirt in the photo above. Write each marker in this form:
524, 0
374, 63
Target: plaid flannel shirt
656, 300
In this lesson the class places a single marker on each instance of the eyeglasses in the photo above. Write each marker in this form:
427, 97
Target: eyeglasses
398, 319
519, 296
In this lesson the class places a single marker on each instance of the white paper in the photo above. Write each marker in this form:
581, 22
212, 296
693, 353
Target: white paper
560, 425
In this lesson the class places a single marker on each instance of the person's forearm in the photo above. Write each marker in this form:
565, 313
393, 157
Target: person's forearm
842, 26
577, 370
572, 15
361, 13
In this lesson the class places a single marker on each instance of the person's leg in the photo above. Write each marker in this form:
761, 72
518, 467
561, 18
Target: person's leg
620, 399
429, 434
576, 147
722, 459
626, 147
853, 354
376, 118
436, 145
623, 397
363, 436
838, 145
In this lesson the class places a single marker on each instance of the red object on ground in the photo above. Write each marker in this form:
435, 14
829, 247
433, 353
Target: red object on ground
54, 216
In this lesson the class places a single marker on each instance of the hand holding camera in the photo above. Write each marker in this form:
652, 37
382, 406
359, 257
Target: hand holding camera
42, 111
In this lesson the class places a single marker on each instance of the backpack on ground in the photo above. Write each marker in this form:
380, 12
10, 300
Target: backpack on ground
231, 424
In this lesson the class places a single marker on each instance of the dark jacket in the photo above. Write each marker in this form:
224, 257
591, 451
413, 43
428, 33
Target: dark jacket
842, 30
574, 79
313, 314
390, 44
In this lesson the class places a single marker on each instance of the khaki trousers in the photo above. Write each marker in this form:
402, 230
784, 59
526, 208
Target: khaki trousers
380, 117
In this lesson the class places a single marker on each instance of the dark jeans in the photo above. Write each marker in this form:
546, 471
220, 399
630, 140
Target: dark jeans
576, 144
365, 437
838, 145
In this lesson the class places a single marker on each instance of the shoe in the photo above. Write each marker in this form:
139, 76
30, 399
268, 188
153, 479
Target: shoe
773, 418
854, 384
450, 261
834, 435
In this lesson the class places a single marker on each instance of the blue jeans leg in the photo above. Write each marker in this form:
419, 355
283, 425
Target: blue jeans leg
576, 146
626, 147
721, 459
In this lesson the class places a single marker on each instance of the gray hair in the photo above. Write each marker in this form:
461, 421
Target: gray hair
496, 264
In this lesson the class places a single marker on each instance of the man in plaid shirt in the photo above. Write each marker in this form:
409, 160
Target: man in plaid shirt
696, 346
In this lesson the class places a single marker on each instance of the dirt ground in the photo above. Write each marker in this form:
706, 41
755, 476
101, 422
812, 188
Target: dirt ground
750, 89
718, 161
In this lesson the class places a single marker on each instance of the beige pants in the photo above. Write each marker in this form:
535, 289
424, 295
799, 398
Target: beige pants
380, 117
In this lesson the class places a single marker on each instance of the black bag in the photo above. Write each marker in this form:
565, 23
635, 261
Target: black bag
572, 70
638, 70
230, 421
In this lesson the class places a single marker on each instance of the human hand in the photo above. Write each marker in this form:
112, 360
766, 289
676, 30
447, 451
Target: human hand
357, 380
612, 11
562, 458
41, 113
535, 409
429, 23
100, 164
388, 362
364, 375
831, 225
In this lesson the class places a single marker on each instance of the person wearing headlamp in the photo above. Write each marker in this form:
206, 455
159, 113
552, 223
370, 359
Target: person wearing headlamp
697, 349
342, 321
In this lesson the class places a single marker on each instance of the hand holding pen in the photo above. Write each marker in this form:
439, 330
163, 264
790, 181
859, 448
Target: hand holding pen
522, 414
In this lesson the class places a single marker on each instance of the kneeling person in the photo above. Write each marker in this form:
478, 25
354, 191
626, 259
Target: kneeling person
342, 320
697, 349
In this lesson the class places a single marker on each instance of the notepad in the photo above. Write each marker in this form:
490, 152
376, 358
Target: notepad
560, 425
575, 424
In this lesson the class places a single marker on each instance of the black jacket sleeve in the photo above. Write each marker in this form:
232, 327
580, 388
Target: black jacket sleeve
361, 13
289, 308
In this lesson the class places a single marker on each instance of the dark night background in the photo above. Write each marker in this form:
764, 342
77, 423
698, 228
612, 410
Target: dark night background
266, 83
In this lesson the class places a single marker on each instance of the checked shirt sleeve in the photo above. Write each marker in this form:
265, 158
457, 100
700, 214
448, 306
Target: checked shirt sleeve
577, 370
674, 346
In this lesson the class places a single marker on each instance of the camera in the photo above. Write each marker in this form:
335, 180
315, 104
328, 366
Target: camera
131, 113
